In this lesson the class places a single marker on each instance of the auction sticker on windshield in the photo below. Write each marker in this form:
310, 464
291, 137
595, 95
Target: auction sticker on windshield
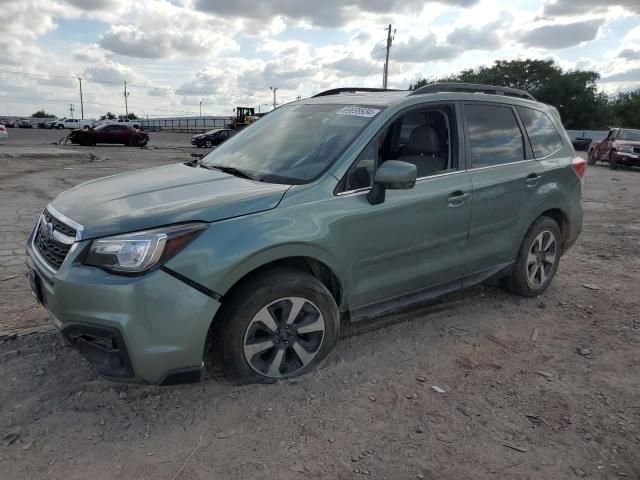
359, 111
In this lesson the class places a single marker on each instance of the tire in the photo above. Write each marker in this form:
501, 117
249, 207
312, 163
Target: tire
251, 350
526, 280
591, 158
60, 127
208, 144
613, 161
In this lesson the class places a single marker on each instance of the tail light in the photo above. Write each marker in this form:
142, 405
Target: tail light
579, 166
2, 128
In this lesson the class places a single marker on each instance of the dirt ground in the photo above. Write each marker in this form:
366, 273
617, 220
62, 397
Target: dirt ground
545, 388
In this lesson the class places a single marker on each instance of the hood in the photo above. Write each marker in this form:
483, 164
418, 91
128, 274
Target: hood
630, 143
161, 196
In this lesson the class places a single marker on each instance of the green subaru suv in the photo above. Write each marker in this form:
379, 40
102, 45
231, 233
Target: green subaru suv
343, 206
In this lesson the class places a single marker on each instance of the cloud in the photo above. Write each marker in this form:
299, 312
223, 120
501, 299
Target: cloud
129, 41
356, 67
92, 5
112, 72
558, 36
91, 54
631, 75
630, 54
159, 92
573, 7
163, 30
486, 37
328, 13
426, 49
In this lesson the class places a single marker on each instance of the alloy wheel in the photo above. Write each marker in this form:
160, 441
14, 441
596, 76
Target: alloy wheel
541, 258
284, 337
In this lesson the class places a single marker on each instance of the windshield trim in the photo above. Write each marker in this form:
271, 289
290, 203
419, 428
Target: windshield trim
265, 176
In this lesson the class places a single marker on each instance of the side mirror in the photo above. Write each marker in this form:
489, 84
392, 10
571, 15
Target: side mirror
392, 175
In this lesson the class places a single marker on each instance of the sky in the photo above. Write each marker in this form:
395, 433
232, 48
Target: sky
180, 56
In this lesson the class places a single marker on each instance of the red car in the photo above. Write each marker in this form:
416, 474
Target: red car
620, 147
114, 133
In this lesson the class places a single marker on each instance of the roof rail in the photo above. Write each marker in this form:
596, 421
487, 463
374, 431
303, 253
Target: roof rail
336, 91
473, 87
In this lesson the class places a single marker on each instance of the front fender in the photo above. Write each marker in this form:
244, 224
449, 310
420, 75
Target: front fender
229, 250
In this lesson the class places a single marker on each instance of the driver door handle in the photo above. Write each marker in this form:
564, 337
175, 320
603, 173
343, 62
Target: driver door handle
457, 198
532, 180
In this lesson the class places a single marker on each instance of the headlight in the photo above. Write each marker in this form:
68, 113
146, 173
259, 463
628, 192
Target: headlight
625, 148
140, 252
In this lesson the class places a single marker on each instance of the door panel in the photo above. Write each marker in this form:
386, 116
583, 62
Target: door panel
505, 179
500, 195
414, 240
602, 150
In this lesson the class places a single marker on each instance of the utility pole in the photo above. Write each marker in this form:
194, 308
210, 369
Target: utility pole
274, 90
200, 107
81, 103
71, 109
126, 95
390, 37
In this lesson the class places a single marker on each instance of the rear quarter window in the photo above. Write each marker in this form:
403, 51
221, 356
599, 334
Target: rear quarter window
543, 135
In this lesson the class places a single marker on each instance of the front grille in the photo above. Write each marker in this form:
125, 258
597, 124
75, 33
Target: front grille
636, 150
52, 252
59, 226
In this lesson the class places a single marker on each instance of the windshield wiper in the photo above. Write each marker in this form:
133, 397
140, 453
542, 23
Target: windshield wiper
230, 170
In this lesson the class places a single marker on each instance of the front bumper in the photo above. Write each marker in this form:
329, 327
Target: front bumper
628, 158
149, 329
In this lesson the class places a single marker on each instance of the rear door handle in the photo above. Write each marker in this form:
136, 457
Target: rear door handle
457, 198
532, 180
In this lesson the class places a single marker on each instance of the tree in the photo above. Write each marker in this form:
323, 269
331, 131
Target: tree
625, 109
573, 93
42, 114
108, 116
132, 116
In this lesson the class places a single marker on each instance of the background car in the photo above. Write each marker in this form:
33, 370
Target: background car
3, 133
621, 146
9, 123
580, 143
72, 123
113, 133
25, 123
212, 138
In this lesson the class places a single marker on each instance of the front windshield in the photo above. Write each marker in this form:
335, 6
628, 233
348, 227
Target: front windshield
294, 144
633, 135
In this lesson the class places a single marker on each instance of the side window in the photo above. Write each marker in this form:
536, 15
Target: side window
361, 173
543, 134
611, 135
423, 137
494, 135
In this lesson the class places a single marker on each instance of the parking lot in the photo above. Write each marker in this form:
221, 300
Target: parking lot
544, 388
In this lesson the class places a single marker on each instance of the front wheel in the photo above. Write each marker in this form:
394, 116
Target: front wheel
537, 260
60, 127
613, 161
591, 158
280, 324
208, 144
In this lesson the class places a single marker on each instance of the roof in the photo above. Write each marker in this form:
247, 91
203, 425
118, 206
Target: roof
381, 97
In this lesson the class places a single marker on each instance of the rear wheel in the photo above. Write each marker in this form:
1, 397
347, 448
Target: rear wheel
277, 325
538, 259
